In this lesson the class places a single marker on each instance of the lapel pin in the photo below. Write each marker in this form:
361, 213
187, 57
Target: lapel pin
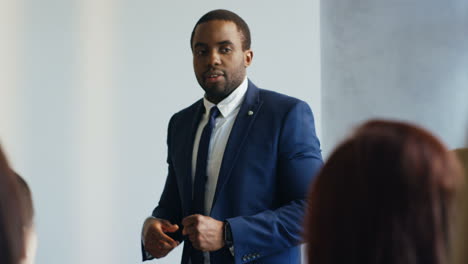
250, 113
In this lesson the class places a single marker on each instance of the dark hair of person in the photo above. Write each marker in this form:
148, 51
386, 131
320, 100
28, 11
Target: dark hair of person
16, 214
226, 15
384, 196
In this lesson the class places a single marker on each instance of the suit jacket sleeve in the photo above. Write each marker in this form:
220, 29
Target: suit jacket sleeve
169, 207
299, 159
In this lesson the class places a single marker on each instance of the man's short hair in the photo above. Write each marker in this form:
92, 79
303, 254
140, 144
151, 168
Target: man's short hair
226, 15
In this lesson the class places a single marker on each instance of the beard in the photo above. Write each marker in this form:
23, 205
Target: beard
217, 91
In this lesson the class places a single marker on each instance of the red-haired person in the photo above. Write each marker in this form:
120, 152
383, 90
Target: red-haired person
384, 196
17, 234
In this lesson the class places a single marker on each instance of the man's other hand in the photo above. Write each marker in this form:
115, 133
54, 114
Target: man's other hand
155, 240
205, 233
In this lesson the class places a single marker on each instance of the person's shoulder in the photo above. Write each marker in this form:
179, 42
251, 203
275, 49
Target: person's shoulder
188, 112
276, 96
191, 109
278, 100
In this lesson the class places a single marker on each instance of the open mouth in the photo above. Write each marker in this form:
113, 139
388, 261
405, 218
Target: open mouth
213, 77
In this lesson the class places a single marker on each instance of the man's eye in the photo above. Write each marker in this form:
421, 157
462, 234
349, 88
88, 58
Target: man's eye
200, 52
226, 50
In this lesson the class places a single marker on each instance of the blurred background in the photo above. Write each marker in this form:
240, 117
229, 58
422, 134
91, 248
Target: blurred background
87, 88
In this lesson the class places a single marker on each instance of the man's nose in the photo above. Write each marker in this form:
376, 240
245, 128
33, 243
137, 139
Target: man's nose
214, 59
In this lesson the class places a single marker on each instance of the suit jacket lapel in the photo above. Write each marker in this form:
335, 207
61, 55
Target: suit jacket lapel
240, 130
186, 192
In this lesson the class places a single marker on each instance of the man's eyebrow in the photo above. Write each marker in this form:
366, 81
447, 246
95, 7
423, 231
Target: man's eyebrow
225, 42
200, 44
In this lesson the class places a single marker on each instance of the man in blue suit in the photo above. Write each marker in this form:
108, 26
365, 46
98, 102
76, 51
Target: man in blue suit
240, 161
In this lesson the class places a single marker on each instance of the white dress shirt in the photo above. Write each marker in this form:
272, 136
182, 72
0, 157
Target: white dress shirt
228, 108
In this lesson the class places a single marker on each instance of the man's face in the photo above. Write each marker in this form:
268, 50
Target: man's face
218, 59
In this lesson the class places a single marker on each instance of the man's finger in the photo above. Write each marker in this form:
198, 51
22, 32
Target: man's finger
158, 248
194, 238
190, 220
164, 222
166, 225
164, 245
195, 243
170, 228
156, 235
165, 238
188, 230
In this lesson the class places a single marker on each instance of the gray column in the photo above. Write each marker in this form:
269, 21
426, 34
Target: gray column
399, 59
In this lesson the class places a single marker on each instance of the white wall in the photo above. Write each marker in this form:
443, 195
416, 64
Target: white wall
400, 59
87, 88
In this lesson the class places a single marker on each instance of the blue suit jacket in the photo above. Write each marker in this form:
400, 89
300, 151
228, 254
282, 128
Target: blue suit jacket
269, 161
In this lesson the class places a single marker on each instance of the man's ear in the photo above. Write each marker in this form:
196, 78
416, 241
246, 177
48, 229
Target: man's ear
248, 56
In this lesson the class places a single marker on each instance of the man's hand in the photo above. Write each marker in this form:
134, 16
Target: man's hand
205, 233
155, 240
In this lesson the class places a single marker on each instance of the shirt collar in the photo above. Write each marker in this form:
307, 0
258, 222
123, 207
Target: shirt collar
230, 103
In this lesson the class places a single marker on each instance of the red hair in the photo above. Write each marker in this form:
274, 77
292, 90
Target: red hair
16, 213
383, 196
